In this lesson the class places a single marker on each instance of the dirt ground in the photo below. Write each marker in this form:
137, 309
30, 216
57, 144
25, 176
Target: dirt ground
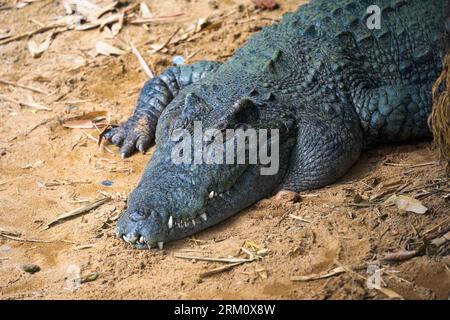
47, 170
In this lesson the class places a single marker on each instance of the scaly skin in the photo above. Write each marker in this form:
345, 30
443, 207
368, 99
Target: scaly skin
328, 83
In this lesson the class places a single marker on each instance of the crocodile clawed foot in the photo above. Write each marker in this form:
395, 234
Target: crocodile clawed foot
134, 135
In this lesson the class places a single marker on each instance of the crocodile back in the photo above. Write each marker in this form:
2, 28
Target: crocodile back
405, 49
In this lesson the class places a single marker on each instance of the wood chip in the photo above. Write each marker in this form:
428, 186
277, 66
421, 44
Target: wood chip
441, 240
399, 256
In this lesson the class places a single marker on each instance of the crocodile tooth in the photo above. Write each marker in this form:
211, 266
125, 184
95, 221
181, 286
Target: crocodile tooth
170, 224
141, 239
130, 240
211, 194
160, 245
204, 216
193, 222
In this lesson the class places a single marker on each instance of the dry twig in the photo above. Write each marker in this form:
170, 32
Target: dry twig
14, 84
78, 211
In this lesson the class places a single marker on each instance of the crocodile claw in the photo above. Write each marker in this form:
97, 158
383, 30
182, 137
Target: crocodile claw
134, 135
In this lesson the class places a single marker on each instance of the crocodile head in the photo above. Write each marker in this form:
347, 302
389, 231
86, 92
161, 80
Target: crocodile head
193, 180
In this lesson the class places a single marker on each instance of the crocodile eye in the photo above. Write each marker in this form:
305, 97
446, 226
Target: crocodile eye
138, 215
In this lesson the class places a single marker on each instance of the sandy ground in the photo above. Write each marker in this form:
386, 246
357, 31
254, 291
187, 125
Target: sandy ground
47, 170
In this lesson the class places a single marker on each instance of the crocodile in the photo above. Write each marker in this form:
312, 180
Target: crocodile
327, 84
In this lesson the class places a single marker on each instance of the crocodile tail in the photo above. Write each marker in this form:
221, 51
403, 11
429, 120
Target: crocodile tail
439, 120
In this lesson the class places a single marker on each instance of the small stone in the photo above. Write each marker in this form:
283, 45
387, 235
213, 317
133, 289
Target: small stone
286, 196
31, 268
266, 4
178, 60
107, 183
90, 277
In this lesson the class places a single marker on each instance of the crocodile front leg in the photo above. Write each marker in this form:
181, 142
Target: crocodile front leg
139, 131
328, 144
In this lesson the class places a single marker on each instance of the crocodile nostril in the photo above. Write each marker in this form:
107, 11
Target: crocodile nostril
137, 215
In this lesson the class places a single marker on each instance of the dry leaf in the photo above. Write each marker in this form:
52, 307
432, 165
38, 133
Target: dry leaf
68, 7
145, 10
37, 49
36, 106
86, 8
107, 34
107, 8
33, 165
409, 204
109, 20
201, 23
79, 124
107, 49
87, 26
21, 4
72, 21
89, 120
116, 27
